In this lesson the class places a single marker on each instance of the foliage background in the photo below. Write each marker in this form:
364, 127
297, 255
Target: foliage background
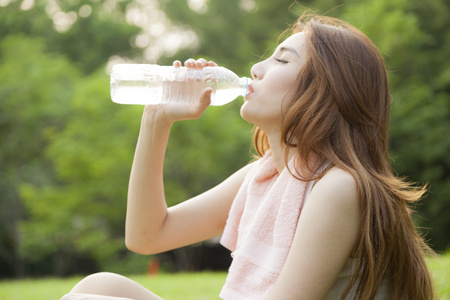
66, 149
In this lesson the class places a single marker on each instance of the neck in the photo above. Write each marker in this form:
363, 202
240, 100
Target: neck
278, 151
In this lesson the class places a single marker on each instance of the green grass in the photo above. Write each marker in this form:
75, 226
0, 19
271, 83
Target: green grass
440, 268
195, 286
186, 286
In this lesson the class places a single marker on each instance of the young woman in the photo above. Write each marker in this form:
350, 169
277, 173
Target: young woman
320, 215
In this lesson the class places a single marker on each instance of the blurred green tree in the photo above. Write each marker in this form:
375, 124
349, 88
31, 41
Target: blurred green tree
45, 46
88, 33
83, 215
67, 150
413, 37
35, 90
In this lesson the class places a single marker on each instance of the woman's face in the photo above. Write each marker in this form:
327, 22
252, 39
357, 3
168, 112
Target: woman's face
274, 80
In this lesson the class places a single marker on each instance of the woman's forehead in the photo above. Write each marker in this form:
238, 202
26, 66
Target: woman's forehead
296, 44
296, 40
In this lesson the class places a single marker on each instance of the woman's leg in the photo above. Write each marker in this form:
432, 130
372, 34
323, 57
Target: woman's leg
110, 285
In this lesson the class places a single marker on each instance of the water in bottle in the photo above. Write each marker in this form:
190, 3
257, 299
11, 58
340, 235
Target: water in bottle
153, 84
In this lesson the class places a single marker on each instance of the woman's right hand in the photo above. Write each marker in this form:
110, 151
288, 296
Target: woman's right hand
172, 112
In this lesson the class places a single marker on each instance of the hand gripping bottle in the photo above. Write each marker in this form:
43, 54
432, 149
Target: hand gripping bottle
153, 84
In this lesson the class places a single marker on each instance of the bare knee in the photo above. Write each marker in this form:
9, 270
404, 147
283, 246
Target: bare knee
105, 276
95, 283
114, 285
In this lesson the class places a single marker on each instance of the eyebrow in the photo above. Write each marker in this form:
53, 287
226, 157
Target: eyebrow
290, 49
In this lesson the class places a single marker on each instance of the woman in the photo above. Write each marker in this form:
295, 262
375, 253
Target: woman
320, 214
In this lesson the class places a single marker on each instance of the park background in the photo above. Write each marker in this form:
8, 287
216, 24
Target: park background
66, 149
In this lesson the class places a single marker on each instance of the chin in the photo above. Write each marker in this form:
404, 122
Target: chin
245, 114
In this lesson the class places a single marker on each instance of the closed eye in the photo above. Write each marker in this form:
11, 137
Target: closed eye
281, 60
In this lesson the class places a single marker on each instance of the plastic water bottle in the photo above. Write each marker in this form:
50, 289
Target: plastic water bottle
153, 84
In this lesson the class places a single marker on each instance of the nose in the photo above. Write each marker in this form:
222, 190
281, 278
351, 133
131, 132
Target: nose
257, 71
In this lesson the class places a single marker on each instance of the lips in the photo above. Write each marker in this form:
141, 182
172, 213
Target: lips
250, 90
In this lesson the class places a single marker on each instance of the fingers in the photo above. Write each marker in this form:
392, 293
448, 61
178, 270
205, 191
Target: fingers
205, 97
196, 64
199, 63
190, 63
212, 64
202, 104
173, 112
176, 64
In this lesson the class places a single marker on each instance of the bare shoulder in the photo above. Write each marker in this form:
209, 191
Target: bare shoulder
327, 233
339, 178
337, 188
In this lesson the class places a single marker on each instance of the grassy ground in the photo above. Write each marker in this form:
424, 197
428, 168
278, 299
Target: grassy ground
440, 268
196, 286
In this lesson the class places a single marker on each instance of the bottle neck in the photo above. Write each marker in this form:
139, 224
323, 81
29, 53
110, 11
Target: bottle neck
245, 83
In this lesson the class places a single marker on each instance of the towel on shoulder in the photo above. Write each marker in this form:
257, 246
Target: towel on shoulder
260, 228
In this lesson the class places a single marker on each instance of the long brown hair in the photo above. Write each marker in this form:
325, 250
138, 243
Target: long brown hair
341, 113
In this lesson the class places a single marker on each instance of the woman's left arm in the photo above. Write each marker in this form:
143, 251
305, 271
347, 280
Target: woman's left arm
326, 234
